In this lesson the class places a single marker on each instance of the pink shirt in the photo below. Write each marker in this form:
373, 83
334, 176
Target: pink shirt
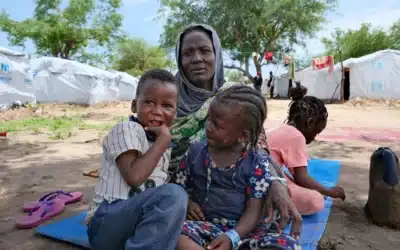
287, 146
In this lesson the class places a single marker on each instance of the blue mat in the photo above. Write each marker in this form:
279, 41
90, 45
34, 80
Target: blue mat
73, 229
327, 173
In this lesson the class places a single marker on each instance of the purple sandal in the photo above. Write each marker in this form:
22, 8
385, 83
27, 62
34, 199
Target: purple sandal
66, 197
41, 213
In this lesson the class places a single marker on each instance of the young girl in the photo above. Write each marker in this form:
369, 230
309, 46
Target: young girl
287, 145
227, 178
133, 207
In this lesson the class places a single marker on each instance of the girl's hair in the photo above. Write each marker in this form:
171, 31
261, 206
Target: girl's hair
303, 107
253, 105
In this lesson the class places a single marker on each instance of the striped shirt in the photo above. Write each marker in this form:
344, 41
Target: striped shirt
111, 185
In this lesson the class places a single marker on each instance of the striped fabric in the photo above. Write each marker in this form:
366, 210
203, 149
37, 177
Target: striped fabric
111, 185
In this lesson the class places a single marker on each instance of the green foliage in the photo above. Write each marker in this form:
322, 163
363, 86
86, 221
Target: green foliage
395, 35
345, 44
135, 56
248, 26
66, 32
234, 76
59, 127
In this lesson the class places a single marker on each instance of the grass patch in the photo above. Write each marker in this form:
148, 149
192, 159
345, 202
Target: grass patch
60, 127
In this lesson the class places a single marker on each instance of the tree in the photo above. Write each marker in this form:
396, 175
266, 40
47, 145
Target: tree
345, 44
395, 35
234, 76
135, 56
67, 32
248, 26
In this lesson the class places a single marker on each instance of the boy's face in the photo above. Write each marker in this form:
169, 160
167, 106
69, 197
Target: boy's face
156, 104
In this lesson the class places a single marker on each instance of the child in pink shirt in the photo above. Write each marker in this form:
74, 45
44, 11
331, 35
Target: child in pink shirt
287, 145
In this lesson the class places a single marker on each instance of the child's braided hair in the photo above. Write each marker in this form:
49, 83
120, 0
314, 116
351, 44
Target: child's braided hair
303, 107
253, 105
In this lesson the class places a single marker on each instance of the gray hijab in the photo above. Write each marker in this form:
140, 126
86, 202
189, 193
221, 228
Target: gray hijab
191, 97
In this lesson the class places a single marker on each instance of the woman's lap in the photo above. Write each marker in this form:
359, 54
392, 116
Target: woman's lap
203, 232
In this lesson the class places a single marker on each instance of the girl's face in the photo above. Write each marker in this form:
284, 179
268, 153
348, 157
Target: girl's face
313, 128
197, 59
224, 126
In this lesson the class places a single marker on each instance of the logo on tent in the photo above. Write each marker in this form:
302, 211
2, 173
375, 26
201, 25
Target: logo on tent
5, 67
379, 65
376, 86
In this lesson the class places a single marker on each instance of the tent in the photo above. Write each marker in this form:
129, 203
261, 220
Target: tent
15, 78
127, 85
375, 76
66, 81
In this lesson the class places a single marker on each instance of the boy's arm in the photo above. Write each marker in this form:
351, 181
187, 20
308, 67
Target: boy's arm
257, 187
125, 144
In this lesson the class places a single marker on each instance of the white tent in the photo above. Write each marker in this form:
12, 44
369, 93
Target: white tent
15, 78
374, 76
282, 85
60, 80
127, 85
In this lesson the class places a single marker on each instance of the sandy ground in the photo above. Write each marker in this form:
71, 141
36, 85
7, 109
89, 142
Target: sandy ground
32, 164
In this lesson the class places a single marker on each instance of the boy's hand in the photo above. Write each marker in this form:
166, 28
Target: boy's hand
222, 242
162, 132
337, 192
194, 212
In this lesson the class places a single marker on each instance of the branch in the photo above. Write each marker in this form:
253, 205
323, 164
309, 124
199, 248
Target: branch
239, 69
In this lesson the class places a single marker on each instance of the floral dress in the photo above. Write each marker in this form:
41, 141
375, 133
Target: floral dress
191, 128
223, 192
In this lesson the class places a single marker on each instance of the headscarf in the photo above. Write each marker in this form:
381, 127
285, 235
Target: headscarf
191, 97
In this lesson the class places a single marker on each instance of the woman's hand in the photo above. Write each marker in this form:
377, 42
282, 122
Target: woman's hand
279, 197
220, 243
194, 211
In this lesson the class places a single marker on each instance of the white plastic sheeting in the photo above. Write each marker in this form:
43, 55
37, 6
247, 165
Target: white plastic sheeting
320, 83
375, 76
64, 81
127, 85
282, 85
15, 79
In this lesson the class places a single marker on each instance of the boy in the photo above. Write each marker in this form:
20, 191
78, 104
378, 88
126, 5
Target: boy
133, 207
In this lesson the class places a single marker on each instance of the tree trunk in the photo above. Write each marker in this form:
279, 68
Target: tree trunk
342, 79
257, 64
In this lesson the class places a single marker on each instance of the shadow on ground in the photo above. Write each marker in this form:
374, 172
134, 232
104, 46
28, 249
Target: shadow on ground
348, 227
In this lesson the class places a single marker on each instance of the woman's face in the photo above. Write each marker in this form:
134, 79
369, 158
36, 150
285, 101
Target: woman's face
198, 59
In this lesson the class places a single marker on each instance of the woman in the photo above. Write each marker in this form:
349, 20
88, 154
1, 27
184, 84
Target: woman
201, 75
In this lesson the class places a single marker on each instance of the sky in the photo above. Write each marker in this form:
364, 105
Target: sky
140, 21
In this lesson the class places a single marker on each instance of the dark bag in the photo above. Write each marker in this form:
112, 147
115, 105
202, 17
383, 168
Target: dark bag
383, 205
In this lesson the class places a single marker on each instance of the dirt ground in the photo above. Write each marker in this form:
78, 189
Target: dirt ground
31, 164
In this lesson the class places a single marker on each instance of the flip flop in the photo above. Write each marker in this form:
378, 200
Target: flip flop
92, 173
41, 213
66, 197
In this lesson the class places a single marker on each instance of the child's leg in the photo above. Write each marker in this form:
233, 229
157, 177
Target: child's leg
264, 238
197, 234
185, 243
151, 220
307, 201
